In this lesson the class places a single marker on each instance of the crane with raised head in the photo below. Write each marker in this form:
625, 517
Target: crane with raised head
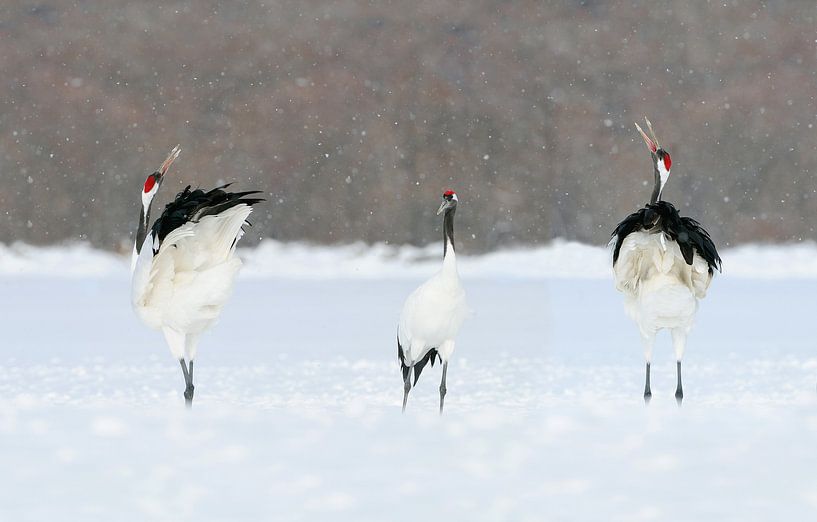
663, 263
184, 264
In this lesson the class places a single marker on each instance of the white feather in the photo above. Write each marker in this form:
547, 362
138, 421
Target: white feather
433, 313
661, 290
181, 290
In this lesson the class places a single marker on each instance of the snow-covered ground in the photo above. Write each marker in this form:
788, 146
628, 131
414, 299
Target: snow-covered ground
297, 408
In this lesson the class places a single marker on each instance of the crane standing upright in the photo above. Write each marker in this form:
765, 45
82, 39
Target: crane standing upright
184, 265
663, 264
433, 313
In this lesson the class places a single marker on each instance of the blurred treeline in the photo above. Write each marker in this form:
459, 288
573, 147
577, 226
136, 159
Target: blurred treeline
353, 116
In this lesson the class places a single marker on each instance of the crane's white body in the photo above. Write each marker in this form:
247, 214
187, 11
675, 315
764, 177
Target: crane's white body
433, 313
661, 290
182, 289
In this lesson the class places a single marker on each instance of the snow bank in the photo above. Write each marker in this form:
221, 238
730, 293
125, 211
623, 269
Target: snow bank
72, 260
560, 259
298, 260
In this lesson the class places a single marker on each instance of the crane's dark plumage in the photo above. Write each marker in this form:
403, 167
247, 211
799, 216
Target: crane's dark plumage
182, 289
660, 292
431, 357
192, 205
688, 233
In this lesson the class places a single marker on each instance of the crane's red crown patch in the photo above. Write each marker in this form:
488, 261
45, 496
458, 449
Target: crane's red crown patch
149, 183
667, 161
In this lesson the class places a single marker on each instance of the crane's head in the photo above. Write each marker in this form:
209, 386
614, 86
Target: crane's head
154, 181
660, 158
449, 202
149, 190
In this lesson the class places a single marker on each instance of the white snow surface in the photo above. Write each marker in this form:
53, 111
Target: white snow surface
559, 259
297, 408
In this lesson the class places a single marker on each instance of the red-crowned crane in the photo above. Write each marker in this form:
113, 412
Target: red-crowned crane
184, 265
663, 264
433, 313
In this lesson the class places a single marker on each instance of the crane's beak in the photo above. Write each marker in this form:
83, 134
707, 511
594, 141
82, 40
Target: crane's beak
652, 143
444, 205
169, 161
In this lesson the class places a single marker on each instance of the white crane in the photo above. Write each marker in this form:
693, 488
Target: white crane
663, 264
184, 265
433, 313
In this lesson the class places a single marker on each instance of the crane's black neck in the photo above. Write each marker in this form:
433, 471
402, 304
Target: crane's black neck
141, 233
448, 230
656, 191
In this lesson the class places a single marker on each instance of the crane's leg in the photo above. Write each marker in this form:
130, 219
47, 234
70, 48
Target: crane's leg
406, 385
191, 342
648, 344
679, 390
177, 342
189, 388
647, 390
679, 339
443, 389
188, 382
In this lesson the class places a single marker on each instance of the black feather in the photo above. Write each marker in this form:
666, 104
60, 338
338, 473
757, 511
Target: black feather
688, 233
403, 368
430, 357
192, 205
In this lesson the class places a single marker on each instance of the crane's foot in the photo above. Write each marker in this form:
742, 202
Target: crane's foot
188, 395
647, 396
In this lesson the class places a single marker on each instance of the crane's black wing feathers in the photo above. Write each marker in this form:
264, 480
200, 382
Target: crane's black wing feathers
192, 205
628, 225
688, 233
431, 357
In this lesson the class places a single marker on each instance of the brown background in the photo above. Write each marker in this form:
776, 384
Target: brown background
353, 116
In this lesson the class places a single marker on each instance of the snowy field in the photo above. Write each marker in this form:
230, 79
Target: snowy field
297, 407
